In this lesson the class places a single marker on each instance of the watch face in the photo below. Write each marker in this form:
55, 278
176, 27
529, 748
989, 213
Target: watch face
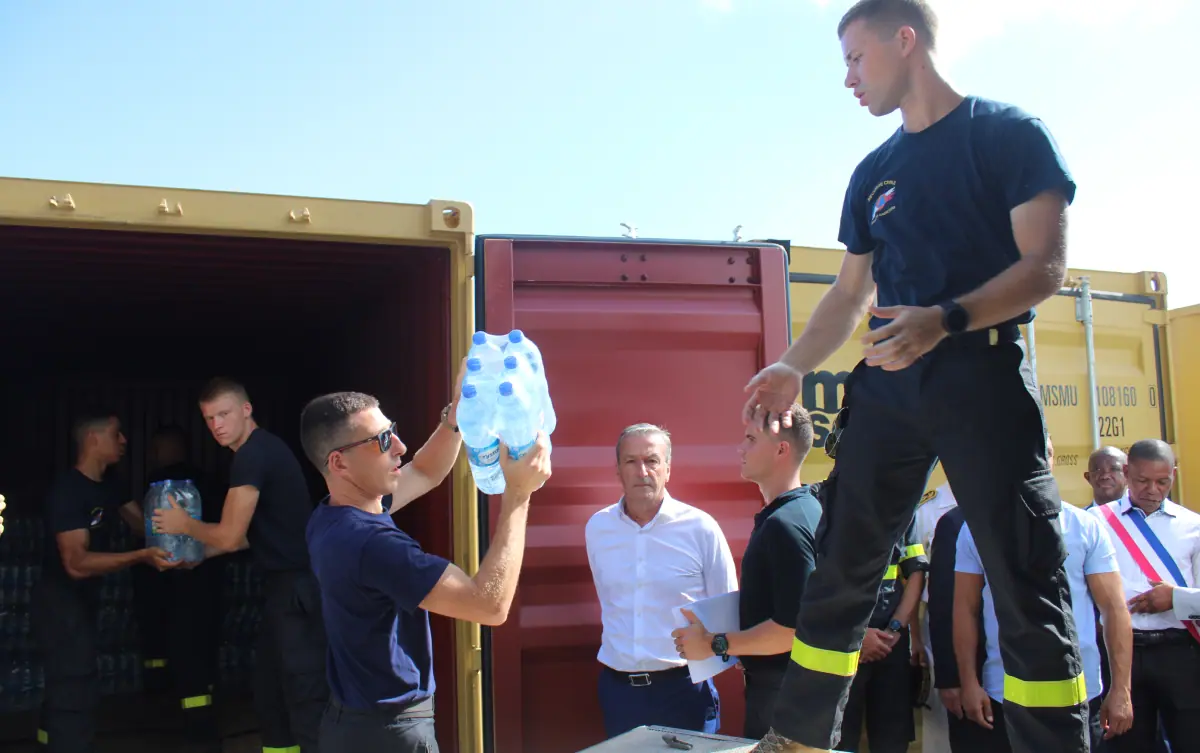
720, 644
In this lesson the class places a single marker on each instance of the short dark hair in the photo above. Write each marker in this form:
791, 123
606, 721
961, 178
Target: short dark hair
800, 434
1154, 450
218, 386
325, 423
87, 420
890, 15
173, 432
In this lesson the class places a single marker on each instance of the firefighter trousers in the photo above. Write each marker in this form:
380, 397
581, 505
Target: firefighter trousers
972, 403
64, 626
290, 688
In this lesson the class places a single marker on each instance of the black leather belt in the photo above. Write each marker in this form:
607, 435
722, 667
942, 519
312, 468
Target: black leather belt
1002, 334
1170, 637
645, 679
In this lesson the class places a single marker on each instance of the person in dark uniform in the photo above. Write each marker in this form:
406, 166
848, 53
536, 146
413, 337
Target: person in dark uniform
956, 225
267, 508
81, 511
179, 611
779, 556
379, 587
882, 690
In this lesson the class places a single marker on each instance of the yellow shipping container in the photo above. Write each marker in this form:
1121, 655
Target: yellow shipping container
1184, 327
1130, 381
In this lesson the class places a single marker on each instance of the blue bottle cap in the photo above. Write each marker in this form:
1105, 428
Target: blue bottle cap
479, 338
474, 364
469, 391
516, 336
510, 362
506, 388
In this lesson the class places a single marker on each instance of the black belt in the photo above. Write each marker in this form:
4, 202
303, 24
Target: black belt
422, 709
644, 679
1000, 334
1169, 637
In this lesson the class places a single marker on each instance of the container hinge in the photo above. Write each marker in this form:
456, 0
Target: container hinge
304, 216
1155, 316
66, 202
164, 207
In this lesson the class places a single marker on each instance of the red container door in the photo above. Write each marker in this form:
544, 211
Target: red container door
631, 331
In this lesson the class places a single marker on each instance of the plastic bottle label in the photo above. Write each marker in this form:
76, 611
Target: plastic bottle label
484, 456
517, 452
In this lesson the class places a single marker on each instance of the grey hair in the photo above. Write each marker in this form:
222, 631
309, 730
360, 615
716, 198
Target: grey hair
645, 429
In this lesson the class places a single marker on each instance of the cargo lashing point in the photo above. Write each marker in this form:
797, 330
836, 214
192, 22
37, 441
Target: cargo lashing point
304, 216
451, 217
66, 202
164, 207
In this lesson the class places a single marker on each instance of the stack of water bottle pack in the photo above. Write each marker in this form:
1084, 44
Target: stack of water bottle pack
21, 678
505, 398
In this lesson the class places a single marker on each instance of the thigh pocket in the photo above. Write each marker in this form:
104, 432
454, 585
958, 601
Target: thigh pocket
1037, 535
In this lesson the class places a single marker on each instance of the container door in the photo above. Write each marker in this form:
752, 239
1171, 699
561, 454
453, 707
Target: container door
631, 331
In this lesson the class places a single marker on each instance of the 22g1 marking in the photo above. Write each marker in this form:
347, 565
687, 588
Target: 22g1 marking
1112, 426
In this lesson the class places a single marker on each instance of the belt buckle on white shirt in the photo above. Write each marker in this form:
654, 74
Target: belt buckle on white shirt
640, 680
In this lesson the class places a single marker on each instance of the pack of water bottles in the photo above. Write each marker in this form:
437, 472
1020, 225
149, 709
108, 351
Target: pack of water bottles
159, 496
505, 398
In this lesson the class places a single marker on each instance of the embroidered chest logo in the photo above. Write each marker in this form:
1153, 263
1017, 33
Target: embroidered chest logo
881, 199
97, 517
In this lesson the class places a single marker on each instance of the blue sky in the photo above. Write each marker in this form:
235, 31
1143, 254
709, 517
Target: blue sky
682, 117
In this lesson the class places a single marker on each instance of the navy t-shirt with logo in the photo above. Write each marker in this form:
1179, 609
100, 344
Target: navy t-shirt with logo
75, 503
373, 578
934, 206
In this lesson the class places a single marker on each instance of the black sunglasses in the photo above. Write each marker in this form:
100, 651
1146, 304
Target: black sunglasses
383, 438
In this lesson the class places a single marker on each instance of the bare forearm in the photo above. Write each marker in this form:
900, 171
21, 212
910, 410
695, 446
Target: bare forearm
96, 564
501, 566
910, 601
833, 321
767, 638
1014, 291
1118, 640
436, 458
966, 648
219, 536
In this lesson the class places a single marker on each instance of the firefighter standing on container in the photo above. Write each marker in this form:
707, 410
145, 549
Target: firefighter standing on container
956, 224
81, 511
268, 503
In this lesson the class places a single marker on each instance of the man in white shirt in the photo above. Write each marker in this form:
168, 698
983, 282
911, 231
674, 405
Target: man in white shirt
650, 553
1152, 532
1106, 475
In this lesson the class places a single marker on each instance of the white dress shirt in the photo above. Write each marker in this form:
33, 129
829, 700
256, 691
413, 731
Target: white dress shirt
933, 506
1179, 531
1186, 603
643, 572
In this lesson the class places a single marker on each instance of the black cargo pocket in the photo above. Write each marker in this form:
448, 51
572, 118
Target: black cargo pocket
1039, 545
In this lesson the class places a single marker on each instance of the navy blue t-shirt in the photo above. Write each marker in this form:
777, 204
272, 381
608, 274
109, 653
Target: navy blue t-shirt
373, 578
934, 205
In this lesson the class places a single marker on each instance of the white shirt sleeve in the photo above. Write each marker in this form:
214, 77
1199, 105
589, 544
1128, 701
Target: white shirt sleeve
720, 573
1186, 602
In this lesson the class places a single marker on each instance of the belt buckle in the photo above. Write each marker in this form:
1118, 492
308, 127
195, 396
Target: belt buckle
640, 680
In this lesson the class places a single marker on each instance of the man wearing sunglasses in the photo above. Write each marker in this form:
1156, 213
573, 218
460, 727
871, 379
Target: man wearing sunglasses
378, 586
266, 508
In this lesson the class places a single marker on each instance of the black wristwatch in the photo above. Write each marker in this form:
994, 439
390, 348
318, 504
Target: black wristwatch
720, 646
955, 318
446, 419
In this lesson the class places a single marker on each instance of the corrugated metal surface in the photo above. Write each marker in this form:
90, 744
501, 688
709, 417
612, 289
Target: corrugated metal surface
1184, 327
1132, 365
140, 320
674, 347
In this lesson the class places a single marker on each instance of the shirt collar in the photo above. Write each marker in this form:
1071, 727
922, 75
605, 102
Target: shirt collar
1168, 507
779, 502
669, 509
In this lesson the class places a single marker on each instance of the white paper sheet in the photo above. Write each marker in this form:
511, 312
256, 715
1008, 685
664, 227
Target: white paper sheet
719, 615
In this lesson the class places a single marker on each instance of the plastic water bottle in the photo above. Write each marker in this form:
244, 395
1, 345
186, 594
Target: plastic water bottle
519, 345
489, 351
518, 429
177, 546
475, 421
483, 382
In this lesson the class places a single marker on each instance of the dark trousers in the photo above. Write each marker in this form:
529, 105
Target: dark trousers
667, 699
290, 689
1165, 685
410, 730
968, 737
762, 690
64, 626
881, 692
975, 406
179, 620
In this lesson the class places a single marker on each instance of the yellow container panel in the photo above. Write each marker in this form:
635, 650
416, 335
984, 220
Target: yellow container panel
1184, 328
1133, 401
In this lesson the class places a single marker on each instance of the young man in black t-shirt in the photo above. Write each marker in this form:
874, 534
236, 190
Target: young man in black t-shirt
179, 612
267, 508
81, 511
